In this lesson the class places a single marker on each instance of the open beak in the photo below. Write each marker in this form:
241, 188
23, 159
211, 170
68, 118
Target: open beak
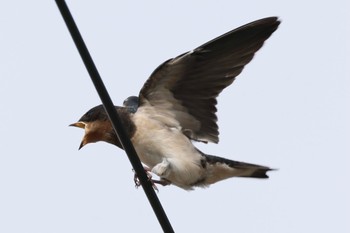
78, 124
82, 126
83, 143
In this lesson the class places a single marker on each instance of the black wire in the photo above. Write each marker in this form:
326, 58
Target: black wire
114, 117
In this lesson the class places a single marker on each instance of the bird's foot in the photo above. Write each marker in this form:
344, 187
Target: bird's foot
162, 181
136, 179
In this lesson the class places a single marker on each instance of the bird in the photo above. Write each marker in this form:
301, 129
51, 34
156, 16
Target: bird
176, 107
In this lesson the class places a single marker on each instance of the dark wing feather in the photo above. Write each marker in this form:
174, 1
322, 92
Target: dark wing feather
185, 88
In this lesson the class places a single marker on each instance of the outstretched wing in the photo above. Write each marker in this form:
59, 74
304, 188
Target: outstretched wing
185, 88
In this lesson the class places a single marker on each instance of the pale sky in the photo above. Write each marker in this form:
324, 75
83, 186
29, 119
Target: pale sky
289, 109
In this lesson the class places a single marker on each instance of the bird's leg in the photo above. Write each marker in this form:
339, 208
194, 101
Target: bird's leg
136, 179
162, 181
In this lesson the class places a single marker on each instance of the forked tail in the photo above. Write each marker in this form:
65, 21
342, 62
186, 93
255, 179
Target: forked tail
221, 168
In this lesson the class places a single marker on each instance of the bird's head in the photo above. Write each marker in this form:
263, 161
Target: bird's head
96, 125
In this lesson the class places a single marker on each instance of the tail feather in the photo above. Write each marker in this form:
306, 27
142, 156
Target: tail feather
222, 168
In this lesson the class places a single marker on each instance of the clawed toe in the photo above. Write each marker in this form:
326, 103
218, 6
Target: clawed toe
162, 181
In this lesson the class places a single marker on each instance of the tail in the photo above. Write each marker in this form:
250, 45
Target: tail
221, 168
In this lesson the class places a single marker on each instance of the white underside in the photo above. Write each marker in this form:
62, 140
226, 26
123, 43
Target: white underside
161, 145
157, 141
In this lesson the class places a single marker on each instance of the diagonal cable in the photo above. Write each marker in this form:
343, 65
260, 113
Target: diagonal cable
114, 117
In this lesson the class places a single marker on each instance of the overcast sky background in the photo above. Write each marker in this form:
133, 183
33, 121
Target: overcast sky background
289, 109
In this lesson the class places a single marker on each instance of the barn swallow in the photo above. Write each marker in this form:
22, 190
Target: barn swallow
177, 106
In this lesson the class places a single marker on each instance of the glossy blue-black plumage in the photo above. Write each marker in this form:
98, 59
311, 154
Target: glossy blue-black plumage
131, 103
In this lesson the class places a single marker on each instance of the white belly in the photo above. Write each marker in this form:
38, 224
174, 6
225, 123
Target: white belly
155, 142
